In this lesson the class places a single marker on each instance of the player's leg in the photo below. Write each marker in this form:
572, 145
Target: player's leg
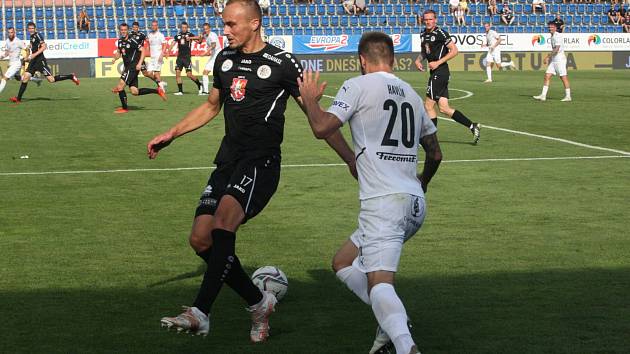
489, 62
205, 81
562, 73
459, 117
122, 95
12, 70
347, 269
194, 79
548, 74
25, 78
178, 79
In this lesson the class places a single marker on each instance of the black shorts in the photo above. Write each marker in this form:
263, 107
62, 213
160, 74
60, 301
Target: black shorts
252, 182
130, 77
183, 63
438, 86
39, 64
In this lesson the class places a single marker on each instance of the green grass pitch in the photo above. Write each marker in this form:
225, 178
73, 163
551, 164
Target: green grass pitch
516, 256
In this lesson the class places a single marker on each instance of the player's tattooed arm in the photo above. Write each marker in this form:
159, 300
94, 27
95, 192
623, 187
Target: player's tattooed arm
194, 120
433, 157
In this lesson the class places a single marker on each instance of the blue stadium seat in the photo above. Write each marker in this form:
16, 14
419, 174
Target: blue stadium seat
407, 30
363, 21
172, 23
595, 20
295, 21
50, 34
59, 12
139, 12
275, 21
572, 8
325, 21
302, 10
61, 35
49, 12
382, 20
161, 22
380, 9
319, 31
19, 25
312, 9
298, 31
354, 21
142, 23
159, 12
8, 14
344, 21
308, 31
329, 31
338, 31
111, 24
392, 20
120, 12
408, 9
314, 21
398, 9
109, 12
304, 21
286, 21
389, 9
321, 9
130, 13
111, 34
39, 13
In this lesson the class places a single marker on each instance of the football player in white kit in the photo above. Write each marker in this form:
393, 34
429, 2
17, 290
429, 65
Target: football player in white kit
212, 41
492, 42
387, 120
556, 65
13, 47
157, 48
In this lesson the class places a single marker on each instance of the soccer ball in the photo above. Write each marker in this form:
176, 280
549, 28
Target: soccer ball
271, 279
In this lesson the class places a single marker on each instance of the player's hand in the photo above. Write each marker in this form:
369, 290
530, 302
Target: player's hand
29, 57
433, 65
158, 143
138, 67
420, 66
310, 89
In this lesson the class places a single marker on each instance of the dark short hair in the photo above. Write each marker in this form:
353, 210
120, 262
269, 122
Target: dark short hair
206, 24
551, 23
429, 12
10, 28
124, 24
154, 21
31, 24
135, 23
377, 47
184, 23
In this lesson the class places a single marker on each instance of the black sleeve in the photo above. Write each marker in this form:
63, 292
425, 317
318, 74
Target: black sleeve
292, 70
216, 77
442, 35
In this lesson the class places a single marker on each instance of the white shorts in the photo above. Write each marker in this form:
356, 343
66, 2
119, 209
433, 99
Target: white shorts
13, 69
558, 67
210, 64
154, 65
494, 56
385, 223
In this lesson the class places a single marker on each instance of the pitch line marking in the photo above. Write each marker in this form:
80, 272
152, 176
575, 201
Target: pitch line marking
303, 165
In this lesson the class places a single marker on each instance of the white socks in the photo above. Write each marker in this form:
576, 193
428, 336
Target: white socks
356, 281
205, 83
507, 65
391, 316
544, 91
567, 92
489, 72
3, 83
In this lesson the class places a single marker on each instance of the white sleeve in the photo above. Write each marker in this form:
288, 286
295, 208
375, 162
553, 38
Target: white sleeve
345, 104
426, 125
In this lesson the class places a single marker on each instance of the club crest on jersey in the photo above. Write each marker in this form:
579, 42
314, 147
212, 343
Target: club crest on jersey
264, 71
227, 65
237, 90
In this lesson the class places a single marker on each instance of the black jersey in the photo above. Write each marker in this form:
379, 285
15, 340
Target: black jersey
434, 46
129, 49
139, 36
36, 42
254, 91
183, 40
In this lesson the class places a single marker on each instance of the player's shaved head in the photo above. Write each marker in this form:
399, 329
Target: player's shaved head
250, 6
377, 48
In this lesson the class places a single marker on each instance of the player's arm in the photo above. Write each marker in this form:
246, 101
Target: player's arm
322, 123
42, 47
210, 50
452, 52
142, 56
117, 56
421, 57
170, 48
432, 159
194, 120
553, 53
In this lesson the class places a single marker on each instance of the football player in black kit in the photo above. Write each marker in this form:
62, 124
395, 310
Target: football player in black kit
438, 49
252, 82
130, 49
184, 41
37, 62
141, 37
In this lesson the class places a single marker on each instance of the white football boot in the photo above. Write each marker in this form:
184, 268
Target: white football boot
260, 317
192, 321
540, 98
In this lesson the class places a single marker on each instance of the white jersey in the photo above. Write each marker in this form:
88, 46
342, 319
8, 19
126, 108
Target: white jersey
556, 41
14, 48
492, 37
213, 38
156, 41
387, 120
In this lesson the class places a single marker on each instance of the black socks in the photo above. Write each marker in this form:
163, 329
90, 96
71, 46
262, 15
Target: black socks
63, 77
123, 98
146, 91
461, 119
180, 87
22, 89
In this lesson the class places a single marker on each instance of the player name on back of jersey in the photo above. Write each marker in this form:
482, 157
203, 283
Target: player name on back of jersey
395, 90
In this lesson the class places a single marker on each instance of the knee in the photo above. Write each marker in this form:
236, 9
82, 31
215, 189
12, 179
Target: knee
199, 242
50, 79
134, 91
338, 263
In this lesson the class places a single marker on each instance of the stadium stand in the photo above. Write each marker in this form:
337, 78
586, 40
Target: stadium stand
57, 19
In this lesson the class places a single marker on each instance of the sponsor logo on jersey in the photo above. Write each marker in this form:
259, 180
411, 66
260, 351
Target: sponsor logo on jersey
328, 43
227, 65
264, 71
594, 39
538, 39
389, 156
272, 58
246, 61
237, 90
341, 104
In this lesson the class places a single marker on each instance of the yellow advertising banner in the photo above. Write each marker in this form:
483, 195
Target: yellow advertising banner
103, 67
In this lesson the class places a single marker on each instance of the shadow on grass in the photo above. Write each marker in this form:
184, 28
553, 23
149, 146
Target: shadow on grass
556, 311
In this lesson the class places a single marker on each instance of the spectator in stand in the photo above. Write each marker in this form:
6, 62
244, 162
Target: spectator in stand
539, 5
361, 7
452, 6
507, 16
464, 5
349, 7
559, 23
264, 6
613, 15
626, 23
84, 22
460, 16
622, 12
492, 7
